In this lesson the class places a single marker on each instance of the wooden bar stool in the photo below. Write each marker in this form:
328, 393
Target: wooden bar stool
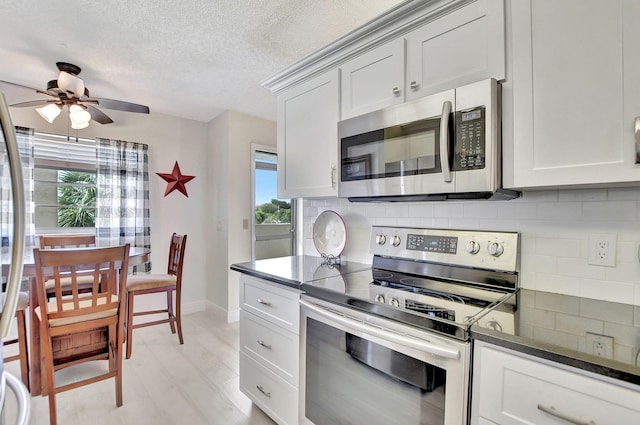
154, 283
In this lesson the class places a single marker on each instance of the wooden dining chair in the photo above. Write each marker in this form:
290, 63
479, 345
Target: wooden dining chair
66, 241
154, 283
76, 314
21, 339
69, 241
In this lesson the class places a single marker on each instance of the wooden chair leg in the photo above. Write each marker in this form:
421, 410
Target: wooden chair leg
179, 316
129, 323
118, 364
50, 382
23, 347
170, 311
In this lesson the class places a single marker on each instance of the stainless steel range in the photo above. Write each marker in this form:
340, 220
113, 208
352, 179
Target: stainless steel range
391, 345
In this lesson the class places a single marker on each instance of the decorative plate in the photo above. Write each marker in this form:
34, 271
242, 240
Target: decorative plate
329, 233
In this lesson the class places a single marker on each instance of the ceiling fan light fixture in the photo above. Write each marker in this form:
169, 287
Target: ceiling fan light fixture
79, 116
70, 84
49, 112
79, 126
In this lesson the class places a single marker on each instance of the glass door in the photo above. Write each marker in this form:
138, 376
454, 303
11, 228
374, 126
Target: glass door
273, 230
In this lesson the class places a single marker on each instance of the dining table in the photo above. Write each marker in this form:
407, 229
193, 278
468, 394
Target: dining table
137, 256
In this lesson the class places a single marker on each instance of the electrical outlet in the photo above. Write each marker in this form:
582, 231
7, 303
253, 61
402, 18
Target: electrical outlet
602, 250
599, 345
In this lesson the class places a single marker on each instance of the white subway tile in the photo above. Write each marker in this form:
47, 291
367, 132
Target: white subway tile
618, 210
578, 267
540, 195
623, 272
559, 247
421, 210
557, 284
448, 209
484, 209
539, 264
583, 195
560, 210
607, 291
624, 194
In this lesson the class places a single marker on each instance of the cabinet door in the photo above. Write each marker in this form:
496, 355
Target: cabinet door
511, 389
462, 47
308, 117
575, 89
373, 80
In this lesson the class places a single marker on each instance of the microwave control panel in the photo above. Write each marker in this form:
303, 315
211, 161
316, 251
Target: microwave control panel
469, 150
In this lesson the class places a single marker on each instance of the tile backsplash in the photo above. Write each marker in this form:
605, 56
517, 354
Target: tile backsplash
554, 225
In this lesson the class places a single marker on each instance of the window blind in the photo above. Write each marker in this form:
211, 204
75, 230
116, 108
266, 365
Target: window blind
49, 149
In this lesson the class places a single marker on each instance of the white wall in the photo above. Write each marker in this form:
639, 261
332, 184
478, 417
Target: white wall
230, 137
555, 227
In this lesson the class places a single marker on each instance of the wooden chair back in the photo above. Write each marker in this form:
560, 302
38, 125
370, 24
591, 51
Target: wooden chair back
67, 241
176, 255
67, 269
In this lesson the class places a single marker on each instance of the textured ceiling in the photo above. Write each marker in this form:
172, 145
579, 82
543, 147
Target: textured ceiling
187, 58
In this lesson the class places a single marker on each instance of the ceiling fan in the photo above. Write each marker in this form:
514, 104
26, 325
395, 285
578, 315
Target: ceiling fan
69, 90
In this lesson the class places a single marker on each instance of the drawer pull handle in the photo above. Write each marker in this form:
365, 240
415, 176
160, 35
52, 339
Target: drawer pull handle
263, 302
259, 387
568, 418
396, 91
267, 346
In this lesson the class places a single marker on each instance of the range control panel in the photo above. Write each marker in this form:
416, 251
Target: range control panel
479, 249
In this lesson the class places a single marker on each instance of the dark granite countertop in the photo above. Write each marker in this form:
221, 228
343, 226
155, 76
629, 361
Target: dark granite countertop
561, 328
292, 271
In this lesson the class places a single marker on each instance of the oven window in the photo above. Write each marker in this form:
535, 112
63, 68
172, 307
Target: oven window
401, 150
350, 380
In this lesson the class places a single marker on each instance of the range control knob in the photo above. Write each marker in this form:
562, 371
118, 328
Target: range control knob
395, 240
381, 239
394, 302
495, 249
380, 298
472, 247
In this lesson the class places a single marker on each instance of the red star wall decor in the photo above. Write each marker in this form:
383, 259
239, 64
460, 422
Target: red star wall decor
176, 180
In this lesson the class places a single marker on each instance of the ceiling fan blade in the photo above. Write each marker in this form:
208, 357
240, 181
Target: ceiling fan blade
32, 103
27, 87
98, 116
119, 105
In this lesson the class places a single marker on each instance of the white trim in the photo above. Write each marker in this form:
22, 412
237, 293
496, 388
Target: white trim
220, 313
395, 22
264, 148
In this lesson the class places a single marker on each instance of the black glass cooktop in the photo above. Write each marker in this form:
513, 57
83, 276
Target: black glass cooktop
433, 304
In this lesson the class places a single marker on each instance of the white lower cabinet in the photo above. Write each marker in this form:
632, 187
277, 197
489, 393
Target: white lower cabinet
514, 388
269, 347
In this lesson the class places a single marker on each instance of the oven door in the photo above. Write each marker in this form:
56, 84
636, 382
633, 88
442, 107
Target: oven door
360, 369
401, 150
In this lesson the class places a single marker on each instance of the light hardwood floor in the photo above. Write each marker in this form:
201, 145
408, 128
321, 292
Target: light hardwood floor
164, 382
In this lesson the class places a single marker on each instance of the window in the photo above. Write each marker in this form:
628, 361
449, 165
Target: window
64, 183
273, 230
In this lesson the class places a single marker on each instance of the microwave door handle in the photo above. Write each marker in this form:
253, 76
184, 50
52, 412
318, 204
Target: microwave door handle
444, 141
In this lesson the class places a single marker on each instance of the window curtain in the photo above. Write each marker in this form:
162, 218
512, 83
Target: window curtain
122, 201
24, 138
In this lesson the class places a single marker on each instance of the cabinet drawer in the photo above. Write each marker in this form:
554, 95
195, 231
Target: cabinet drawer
270, 345
276, 397
275, 304
518, 390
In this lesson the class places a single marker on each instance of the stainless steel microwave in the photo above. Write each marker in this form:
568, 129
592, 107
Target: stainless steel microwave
443, 146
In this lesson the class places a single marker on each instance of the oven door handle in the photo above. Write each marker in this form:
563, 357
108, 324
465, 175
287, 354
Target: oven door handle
407, 341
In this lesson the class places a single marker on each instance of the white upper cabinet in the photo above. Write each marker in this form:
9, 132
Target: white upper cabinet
462, 46
373, 80
574, 93
459, 48
308, 116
